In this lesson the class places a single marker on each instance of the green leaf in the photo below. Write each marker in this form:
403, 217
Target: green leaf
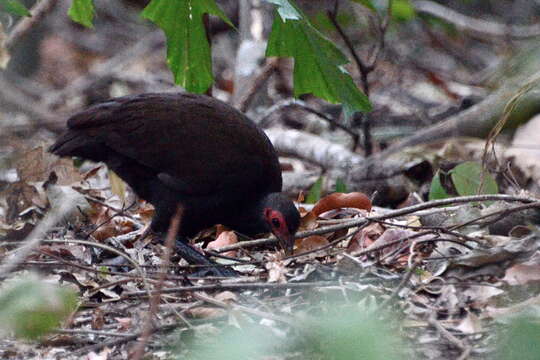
436, 190
467, 178
188, 51
14, 7
82, 12
318, 67
30, 307
403, 10
340, 186
315, 192
366, 3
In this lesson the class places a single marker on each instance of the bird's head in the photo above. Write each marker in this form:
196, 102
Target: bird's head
282, 218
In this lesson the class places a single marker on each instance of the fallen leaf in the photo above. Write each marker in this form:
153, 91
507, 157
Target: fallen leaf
309, 243
333, 201
367, 236
226, 238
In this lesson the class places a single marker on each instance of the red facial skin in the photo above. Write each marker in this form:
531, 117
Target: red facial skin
278, 225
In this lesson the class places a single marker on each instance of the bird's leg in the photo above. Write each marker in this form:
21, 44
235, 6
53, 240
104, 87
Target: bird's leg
193, 257
164, 218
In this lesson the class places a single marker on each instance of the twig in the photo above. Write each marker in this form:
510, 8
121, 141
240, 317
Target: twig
402, 284
262, 314
476, 26
388, 215
466, 350
303, 106
363, 68
264, 74
234, 286
40, 9
93, 332
138, 352
36, 236
123, 58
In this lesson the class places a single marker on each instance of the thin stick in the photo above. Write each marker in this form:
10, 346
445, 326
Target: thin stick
35, 237
40, 9
138, 352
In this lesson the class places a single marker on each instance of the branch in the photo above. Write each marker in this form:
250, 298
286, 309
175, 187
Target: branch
40, 9
476, 26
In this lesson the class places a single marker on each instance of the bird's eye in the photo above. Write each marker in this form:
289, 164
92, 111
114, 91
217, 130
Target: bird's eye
275, 222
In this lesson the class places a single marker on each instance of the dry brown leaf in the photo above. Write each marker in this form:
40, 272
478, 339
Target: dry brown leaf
309, 243
19, 197
225, 238
108, 227
308, 221
203, 312
36, 165
521, 274
333, 201
124, 323
118, 186
98, 319
367, 236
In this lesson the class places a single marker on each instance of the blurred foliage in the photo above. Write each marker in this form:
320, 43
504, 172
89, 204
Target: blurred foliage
14, 7
344, 332
82, 12
521, 340
341, 187
403, 10
315, 193
30, 307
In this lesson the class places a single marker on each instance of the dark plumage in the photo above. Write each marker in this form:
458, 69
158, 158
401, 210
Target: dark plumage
191, 150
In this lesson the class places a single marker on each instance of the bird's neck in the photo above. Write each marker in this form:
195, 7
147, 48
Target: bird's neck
251, 220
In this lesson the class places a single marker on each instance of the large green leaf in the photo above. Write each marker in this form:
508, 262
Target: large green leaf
436, 190
470, 178
318, 67
188, 51
14, 7
82, 12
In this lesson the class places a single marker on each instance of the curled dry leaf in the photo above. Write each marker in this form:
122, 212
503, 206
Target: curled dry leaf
124, 324
225, 238
98, 319
308, 221
109, 226
365, 237
333, 201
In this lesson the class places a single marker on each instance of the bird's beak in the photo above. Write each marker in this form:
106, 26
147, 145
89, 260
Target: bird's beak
286, 241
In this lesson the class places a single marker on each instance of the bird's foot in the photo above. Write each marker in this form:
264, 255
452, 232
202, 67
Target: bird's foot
194, 257
216, 271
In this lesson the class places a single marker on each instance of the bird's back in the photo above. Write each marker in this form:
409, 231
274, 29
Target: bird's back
199, 144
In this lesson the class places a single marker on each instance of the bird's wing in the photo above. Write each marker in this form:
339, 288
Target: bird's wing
195, 143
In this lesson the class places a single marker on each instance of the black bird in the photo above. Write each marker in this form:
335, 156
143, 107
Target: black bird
188, 150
